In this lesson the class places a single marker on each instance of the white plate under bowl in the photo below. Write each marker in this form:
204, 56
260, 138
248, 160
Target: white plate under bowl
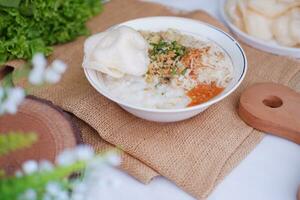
255, 42
187, 26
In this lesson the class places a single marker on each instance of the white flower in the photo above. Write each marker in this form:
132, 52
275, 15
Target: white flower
113, 159
41, 73
51, 76
54, 72
56, 192
62, 195
66, 158
80, 190
30, 194
30, 167
39, 61
14, 98
53, 188
16, 95
84, 153
70, 156
45, 165
36, 75
59, 66
10, 107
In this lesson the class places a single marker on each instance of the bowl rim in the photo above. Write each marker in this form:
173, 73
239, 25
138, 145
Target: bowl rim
200, 106
255, 41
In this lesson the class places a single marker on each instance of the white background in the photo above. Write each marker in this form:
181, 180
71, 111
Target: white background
270, 172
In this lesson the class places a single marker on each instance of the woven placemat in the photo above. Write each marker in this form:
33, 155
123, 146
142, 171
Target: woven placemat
197, 153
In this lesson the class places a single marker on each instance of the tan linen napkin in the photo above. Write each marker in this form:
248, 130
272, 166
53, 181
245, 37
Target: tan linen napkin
197, 153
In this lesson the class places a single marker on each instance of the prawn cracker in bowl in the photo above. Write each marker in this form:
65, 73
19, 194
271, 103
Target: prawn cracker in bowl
273, 21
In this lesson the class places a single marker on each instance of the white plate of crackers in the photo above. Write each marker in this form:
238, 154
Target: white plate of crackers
269, 25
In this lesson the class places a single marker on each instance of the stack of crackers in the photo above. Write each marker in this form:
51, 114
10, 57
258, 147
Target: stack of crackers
275, 21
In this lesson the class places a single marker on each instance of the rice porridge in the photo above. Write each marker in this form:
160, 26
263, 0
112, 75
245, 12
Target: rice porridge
183, 71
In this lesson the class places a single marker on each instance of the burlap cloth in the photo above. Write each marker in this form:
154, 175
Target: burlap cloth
195, 154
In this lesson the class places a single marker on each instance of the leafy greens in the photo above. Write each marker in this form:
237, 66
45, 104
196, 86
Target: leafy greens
31, 26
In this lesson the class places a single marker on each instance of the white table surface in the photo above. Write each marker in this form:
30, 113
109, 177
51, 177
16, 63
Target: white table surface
270, 172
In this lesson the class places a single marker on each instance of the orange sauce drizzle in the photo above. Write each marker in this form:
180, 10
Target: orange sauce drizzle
202, 93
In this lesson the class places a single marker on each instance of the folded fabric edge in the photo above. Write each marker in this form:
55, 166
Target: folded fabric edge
238, 155
131, 165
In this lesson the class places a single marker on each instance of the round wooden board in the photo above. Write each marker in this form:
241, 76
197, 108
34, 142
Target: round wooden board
54, 129
272, 108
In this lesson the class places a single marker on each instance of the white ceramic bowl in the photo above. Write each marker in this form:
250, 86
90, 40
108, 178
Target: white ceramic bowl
255, 42
187, 26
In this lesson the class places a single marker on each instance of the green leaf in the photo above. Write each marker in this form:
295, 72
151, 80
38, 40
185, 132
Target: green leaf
7, 81
10, 3
15, 140
26, 9
12, 187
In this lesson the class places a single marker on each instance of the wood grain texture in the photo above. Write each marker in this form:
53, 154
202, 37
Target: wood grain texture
272, 108
53, 127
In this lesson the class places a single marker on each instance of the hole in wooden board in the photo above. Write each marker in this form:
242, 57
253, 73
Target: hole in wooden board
273, 102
